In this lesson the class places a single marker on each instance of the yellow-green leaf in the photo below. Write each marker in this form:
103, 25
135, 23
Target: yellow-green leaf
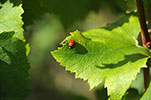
102, 54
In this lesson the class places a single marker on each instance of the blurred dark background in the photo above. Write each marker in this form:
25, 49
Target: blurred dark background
46, 24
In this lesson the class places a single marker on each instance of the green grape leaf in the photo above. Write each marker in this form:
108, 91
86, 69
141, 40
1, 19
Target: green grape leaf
147, 94
102, 54
11, 20
131, 6
14, 66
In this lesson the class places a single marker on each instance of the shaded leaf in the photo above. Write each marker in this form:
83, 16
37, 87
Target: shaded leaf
131, 6
14, 66
131, 94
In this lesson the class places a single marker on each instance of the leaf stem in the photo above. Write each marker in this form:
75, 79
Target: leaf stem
144, 35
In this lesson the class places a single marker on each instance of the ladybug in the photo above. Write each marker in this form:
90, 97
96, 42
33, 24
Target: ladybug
71, 44
148, 45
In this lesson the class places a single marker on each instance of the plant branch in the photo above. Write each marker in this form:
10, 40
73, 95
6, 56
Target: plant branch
144, 35
142, 20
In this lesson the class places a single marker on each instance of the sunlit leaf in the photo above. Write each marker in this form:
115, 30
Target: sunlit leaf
11, 20
102, 54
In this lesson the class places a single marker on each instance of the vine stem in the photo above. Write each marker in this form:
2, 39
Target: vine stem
144, 36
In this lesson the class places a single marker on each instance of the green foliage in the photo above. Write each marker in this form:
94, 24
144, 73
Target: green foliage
131, 94
110, 54
10, 19
147, 94
113, 55
68, 11
14, 66
131, 6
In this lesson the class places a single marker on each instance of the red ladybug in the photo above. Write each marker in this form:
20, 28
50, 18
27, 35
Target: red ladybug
71, 44
148, 45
